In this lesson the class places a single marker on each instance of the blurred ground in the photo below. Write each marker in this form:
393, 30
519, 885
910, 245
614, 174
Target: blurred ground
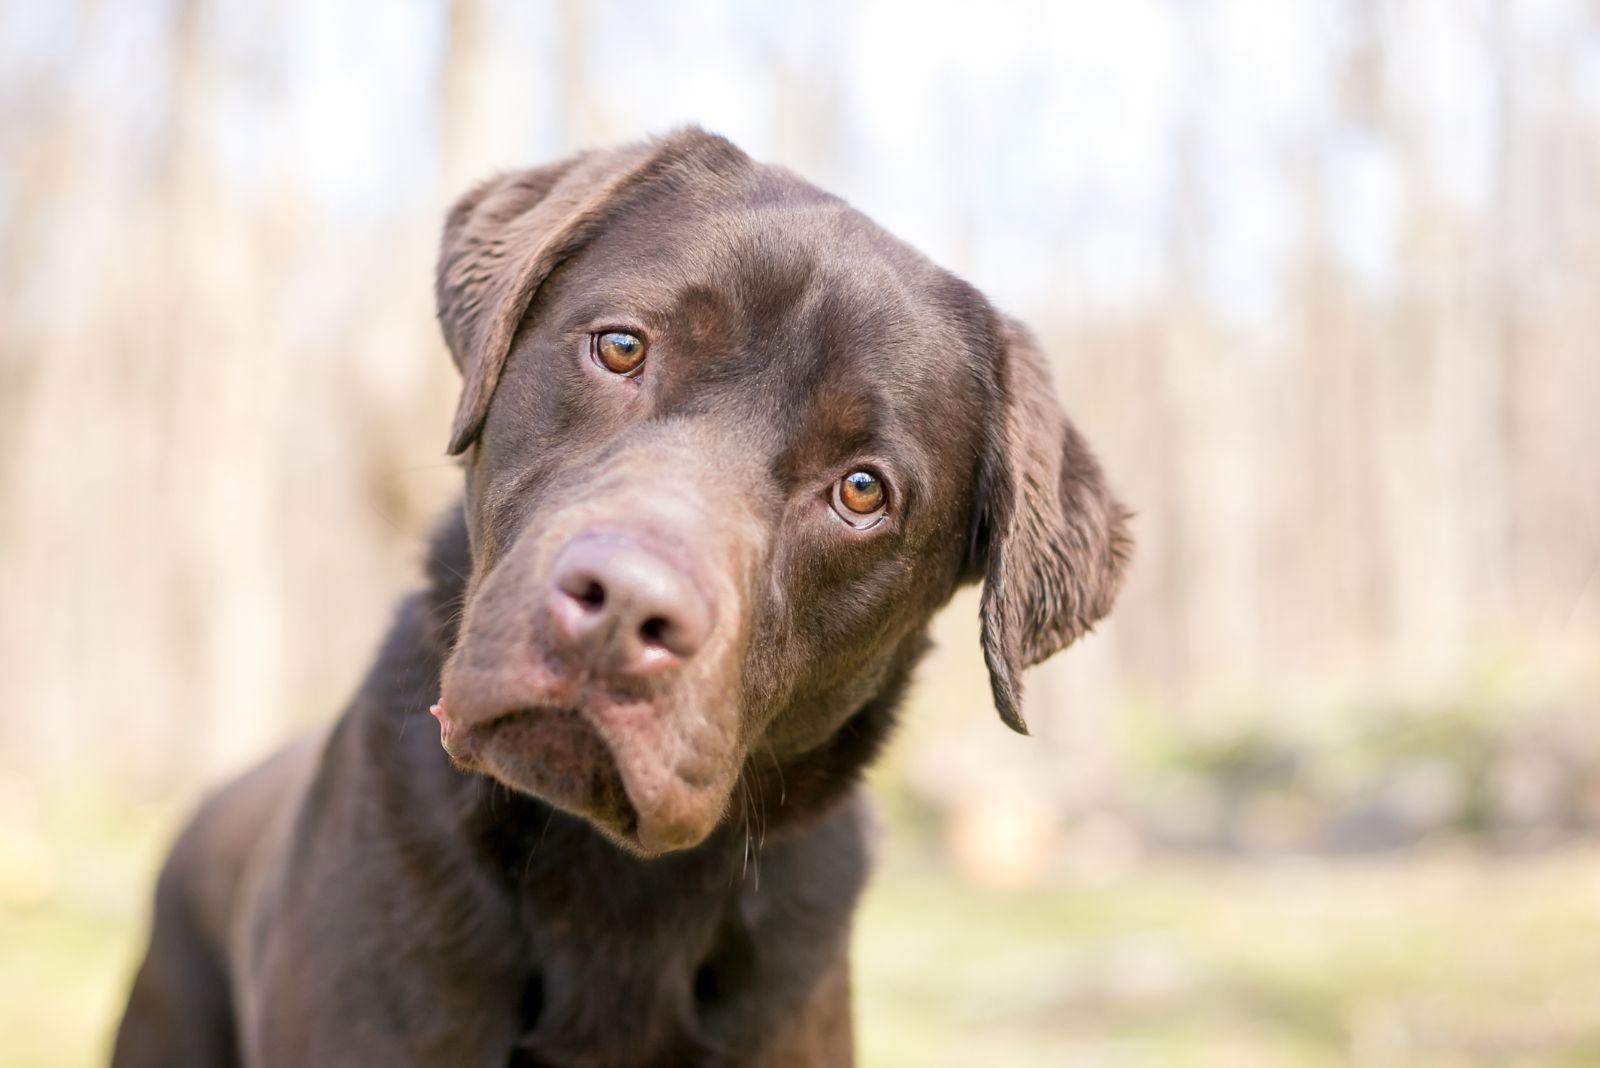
1437, 959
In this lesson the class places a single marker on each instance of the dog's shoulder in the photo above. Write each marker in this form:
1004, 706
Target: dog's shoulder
229, 836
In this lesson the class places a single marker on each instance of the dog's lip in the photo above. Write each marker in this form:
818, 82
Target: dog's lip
589, 784
461, 738
452, 731
609, 797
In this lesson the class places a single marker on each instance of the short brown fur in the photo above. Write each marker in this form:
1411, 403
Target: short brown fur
617, 853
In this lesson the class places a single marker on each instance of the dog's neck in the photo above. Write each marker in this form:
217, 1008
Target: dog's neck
774, 795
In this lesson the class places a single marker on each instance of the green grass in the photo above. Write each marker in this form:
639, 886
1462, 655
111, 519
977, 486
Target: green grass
1441, 961
75, 879
1428, 962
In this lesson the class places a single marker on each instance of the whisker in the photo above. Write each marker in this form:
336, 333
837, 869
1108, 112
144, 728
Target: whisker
783, 788
744, 815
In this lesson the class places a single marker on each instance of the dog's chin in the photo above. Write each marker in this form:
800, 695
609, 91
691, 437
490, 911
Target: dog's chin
557, 755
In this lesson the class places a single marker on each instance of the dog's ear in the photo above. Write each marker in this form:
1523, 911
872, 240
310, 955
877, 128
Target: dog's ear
1050, 540
504, 237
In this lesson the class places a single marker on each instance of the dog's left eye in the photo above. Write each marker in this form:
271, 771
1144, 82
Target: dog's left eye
860, 499
618, 352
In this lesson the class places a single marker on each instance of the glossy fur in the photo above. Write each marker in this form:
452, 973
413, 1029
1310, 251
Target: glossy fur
597, 870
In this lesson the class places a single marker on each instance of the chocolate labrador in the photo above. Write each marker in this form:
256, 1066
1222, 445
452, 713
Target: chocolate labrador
727, 447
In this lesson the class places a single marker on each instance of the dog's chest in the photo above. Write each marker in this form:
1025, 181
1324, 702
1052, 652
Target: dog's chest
694, 958
641, 976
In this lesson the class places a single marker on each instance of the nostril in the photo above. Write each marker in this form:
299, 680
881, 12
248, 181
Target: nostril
593, 595
654, 630
584, 587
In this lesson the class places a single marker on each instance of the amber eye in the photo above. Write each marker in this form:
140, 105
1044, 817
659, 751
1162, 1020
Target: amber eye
859, 498
618, 352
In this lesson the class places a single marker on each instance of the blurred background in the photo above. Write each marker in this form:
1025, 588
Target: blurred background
1320, 281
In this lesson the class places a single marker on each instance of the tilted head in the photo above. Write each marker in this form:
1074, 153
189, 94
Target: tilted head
728, 446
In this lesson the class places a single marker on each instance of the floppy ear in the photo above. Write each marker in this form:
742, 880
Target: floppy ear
504, 237
1051, 540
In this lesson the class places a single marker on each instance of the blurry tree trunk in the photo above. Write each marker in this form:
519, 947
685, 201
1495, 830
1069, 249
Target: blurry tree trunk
463, 105
1500, 301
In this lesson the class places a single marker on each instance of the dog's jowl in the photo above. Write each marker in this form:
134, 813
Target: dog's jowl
727, 446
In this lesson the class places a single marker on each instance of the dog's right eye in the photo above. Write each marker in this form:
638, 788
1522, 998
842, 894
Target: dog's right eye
618, 352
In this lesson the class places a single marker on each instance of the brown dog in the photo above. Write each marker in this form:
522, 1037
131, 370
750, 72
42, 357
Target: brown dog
727, 447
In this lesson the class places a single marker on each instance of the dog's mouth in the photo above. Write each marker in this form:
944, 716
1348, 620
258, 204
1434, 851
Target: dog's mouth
553, 753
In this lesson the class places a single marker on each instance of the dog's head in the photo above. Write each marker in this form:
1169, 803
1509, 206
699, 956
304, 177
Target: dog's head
728, 446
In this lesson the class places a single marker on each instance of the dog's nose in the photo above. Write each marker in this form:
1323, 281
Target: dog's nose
623, 608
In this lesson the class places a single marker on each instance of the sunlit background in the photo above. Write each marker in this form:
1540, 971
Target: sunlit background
1321, 281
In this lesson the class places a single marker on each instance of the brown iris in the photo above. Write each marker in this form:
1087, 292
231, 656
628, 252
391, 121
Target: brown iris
618, 352
861, 495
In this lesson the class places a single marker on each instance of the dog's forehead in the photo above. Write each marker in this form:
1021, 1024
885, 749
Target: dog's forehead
782, 277
781, 318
